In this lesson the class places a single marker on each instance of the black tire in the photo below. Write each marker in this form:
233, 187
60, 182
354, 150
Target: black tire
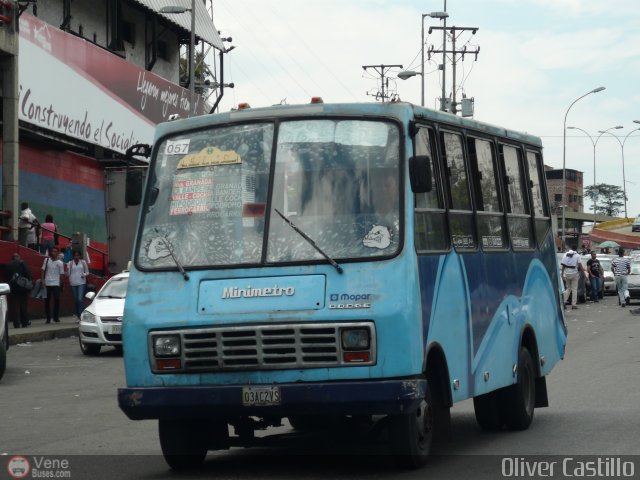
3, 358
184, 442
520, 398
411, 435
488, 411
90, 349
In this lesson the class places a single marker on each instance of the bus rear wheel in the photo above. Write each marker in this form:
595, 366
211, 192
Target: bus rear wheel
520, 398
184, 442
411, 435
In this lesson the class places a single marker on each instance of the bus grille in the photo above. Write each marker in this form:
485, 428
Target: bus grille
264, 347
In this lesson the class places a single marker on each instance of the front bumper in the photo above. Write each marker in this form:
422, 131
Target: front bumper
100, 333
362, 397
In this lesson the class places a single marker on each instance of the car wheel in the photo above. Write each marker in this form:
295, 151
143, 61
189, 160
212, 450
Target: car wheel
90, 349
520, 398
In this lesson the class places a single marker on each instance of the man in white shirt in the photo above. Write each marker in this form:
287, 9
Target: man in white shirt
26, 224
571, 270
52, 273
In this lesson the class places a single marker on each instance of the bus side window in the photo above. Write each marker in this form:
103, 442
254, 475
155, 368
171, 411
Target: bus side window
490, 217
460, 216
430, 222
540, 208
519, 218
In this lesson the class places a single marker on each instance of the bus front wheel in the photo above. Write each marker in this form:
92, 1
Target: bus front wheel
184, 442
411, 435
520, 398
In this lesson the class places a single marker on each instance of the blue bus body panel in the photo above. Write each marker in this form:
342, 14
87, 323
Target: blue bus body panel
161, 300
476, 306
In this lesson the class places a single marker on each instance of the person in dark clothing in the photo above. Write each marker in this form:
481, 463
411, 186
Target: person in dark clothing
595, 276
19, 296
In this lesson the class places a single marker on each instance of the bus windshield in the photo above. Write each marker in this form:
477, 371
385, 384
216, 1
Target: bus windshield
337, 180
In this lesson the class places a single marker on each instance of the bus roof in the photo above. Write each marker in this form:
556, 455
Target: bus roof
402, 111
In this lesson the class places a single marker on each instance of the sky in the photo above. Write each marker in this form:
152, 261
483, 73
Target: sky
536, 57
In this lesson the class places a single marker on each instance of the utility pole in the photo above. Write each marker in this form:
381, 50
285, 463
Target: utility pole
382, 71
455, 33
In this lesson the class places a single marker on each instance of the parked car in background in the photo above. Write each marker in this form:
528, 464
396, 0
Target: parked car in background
634, 280
635, 226
4, 327
101, 322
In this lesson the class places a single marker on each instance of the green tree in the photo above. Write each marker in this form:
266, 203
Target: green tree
609, 198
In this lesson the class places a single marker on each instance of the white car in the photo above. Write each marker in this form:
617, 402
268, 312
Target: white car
4, 327
101, 322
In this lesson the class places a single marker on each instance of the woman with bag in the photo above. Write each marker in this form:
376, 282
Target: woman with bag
77, 269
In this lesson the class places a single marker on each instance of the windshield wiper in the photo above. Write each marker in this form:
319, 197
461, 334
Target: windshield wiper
109, 296
169, 247
311, 242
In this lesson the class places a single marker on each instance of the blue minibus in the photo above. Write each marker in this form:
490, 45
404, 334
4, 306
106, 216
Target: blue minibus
323, 261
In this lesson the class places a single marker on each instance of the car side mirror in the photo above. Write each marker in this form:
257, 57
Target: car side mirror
5, 289
90, 295
420, 174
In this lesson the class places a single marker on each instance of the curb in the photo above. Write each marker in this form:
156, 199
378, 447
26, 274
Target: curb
40, 336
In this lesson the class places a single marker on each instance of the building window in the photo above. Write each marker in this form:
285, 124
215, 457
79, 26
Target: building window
163, 50
557, 197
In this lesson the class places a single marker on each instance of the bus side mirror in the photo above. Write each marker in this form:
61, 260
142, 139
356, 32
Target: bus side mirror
134, 181
133, 187
420, 174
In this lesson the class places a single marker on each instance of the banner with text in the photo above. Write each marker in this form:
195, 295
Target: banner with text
73, 87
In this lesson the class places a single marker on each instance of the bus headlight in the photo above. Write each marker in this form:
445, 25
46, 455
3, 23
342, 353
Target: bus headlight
166, 346
356, 339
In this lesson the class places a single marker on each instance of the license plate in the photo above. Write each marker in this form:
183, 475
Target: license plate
261, 396
115, 329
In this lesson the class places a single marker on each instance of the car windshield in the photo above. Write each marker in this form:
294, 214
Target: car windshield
114, 288
605, 263
635, 268
214, 194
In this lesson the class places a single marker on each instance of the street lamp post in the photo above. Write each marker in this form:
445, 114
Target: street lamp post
564, 160
192, 48
624, 181
441, 16
594, 143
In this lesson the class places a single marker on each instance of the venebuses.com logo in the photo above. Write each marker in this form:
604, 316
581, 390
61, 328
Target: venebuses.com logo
18, 467
38, 467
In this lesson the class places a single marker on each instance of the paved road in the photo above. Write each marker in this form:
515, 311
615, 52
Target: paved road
56, 402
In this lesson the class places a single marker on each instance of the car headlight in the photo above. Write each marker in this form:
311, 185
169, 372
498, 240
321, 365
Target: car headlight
166, 345
88, 317
356, 339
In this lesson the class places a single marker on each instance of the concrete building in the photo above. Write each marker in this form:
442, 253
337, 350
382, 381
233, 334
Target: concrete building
93, 78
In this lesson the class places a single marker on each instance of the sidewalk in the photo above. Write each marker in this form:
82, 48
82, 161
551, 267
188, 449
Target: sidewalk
39, 331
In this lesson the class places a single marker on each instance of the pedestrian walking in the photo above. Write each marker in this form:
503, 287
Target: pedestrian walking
77, 269
621, 267
52, 274
19, 279
571, 270
48, 236
26, 224
594, 269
